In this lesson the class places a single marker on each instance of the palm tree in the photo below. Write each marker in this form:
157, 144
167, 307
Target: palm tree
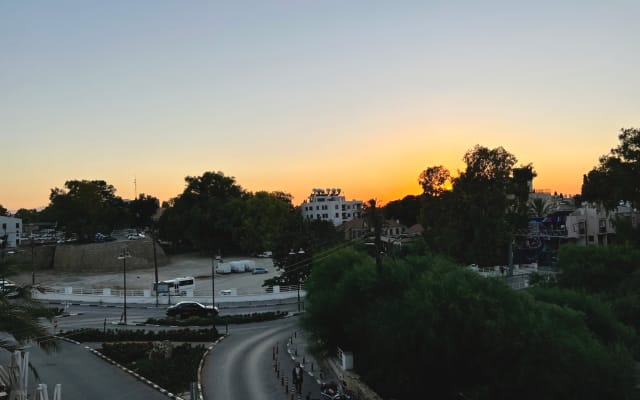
539, 207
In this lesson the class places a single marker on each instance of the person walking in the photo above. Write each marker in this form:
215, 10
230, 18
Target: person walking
297, 377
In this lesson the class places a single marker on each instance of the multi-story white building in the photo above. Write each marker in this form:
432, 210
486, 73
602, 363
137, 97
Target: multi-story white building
11, 228
329, 205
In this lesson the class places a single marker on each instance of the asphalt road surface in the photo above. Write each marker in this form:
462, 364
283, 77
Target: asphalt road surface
240, 367
83, 376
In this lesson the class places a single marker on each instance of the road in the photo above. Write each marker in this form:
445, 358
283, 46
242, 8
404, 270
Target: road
83, 375
240, 367
95, 316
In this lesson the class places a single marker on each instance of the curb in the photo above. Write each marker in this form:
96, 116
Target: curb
201, 365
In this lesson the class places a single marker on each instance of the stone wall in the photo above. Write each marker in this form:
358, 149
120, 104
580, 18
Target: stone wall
103, 257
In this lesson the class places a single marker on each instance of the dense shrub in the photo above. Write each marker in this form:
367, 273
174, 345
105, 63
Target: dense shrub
221, 320
174, 374
142, 335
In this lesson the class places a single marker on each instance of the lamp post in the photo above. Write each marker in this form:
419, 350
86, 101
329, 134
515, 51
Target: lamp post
155, 261
124, 254
296, 257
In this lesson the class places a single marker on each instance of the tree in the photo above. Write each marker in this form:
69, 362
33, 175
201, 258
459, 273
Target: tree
406, 210
435, 180
86, 207
143, 209
421, 327
539, 207
473, 222
207, 215
28, 216
617, 177
4, 212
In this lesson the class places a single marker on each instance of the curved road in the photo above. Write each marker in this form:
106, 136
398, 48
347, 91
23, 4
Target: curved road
240, 366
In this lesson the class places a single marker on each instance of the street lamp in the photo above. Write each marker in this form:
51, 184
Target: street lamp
124, 254
297, 256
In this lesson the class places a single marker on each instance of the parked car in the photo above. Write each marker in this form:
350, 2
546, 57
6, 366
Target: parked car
185, 309
134, 236
259, 270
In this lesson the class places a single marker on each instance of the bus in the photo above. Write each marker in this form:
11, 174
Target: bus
175, 287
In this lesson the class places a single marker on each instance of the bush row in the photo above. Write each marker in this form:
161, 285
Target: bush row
122, 335
220, 320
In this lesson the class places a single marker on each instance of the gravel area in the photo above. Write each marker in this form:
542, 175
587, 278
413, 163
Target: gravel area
182, 265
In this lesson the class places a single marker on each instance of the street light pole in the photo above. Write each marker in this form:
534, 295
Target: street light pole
124, 254
296, 257
155, 261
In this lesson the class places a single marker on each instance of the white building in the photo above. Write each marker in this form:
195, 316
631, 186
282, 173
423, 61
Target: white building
12, 229
594, 225
329, 205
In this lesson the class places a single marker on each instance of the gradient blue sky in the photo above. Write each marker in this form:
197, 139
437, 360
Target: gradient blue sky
292, 95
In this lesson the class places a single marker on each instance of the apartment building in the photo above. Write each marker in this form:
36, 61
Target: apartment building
330, 205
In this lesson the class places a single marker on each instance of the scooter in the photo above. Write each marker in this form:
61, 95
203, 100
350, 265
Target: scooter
335, 391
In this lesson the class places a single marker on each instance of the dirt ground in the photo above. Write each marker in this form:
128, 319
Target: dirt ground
182, 265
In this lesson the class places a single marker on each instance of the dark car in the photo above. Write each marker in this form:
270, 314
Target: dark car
186, 309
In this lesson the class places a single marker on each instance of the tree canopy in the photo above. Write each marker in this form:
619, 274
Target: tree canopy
421, 327
474, 221
617, 177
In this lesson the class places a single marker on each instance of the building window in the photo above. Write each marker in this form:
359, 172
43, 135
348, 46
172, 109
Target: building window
336, 206
337, 215
603, 226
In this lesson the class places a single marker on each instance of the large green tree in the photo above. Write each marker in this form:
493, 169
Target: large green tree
617, 177
406, 210
86, 207
205, 216
474, 222
142, 210
422, 327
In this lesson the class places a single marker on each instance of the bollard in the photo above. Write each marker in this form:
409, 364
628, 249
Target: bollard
295, 334
296, 352
304, 360
311, 367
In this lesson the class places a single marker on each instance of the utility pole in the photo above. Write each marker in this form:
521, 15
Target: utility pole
124, 254
155, 260
374, 219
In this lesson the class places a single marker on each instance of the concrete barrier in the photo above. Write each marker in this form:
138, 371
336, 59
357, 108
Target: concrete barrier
113, 296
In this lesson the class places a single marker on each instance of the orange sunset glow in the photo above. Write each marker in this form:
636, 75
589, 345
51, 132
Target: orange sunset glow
288, 96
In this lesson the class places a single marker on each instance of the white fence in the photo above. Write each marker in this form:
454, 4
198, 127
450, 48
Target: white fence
275, 295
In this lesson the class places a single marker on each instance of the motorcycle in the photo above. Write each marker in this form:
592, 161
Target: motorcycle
335, 391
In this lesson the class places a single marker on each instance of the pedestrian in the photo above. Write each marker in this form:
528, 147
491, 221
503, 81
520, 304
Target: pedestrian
297, 377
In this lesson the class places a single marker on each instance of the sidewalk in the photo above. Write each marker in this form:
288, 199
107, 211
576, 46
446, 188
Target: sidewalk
285, 357
326, 370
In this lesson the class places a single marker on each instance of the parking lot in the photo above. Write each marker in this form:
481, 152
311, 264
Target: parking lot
182, 265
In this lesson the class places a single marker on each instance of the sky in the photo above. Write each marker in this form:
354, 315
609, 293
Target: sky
301, 94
